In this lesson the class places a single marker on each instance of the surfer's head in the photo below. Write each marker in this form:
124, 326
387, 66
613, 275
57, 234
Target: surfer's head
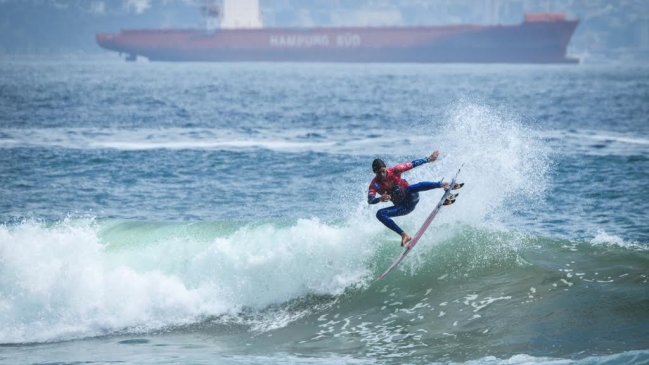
378, 166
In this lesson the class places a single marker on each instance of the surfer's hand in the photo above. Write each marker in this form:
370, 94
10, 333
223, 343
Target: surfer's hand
385, 197
433, 156
445, 185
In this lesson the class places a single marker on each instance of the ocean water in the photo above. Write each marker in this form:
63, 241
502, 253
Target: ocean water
155, 213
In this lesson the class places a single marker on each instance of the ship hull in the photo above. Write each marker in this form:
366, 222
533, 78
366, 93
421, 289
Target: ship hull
529, 42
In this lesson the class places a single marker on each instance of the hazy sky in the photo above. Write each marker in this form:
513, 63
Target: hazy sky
47, 26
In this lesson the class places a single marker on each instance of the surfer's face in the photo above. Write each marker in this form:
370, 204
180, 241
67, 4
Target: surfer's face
381, 173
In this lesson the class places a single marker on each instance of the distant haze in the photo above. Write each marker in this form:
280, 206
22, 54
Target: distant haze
609, 29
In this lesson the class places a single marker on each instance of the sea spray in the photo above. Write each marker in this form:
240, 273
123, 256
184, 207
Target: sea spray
504, 166
502, 159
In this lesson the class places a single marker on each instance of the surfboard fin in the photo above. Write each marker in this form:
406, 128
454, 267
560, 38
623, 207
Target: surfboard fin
451, 199
448, 201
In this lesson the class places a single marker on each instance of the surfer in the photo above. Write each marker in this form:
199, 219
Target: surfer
391, 187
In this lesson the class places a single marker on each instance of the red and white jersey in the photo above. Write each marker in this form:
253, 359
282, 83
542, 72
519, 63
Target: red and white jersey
392, 179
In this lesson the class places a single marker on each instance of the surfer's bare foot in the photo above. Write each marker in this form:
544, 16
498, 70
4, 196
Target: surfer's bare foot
405, 238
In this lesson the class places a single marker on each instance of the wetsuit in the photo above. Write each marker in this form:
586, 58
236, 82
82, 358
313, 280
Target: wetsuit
403, 195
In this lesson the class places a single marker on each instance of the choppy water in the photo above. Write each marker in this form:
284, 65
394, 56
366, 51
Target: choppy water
215, 213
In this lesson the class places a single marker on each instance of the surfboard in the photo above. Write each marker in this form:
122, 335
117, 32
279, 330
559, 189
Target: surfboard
423, 228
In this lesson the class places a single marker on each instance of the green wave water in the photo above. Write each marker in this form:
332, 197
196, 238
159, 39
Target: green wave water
463, 291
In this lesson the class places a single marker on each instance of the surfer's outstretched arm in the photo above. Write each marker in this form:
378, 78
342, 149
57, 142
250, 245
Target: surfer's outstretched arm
400, 168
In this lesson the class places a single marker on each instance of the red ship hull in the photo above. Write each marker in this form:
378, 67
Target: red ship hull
528, 42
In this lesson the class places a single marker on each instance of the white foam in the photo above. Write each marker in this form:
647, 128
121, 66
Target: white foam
604, 239
524, 359
61, 282
594, 142
288, 141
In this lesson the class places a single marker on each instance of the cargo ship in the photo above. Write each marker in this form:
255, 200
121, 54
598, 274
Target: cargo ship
234, 31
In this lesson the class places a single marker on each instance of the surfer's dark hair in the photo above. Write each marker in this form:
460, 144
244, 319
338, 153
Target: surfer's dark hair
377, 164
